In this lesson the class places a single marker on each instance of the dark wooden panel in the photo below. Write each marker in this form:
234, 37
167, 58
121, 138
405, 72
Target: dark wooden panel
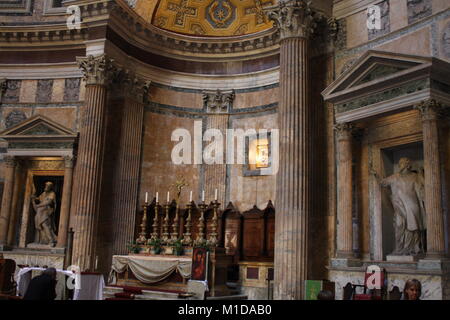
253, 273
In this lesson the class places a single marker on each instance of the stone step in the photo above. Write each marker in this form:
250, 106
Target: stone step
109, 292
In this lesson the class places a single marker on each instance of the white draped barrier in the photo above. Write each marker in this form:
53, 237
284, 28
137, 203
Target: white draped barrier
150, 269
90, 287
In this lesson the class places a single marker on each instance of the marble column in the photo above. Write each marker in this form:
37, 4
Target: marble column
14, 204
98, 72
293, 200
10, 165
126, 188
65, 202
345, 191
432, 166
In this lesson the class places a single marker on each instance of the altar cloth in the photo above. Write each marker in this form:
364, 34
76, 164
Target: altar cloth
150, 269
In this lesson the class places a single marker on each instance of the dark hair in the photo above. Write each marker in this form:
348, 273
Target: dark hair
412, 283
325, 295
50, 272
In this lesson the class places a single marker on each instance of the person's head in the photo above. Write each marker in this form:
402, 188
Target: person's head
48, 186
50, 272
325, 295
404, 163
413, 289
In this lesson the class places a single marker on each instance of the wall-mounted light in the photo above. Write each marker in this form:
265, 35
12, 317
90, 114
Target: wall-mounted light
262, 153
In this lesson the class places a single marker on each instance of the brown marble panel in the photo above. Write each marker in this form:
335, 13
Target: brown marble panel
66, 116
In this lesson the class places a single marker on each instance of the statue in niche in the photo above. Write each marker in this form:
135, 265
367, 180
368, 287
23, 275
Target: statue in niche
408, 196
45, 206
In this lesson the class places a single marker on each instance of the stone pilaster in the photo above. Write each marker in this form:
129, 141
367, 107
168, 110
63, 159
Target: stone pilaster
125, 192
65, 202
432, 165
345, 191
10, 165
215, 174
98, 73
293, 200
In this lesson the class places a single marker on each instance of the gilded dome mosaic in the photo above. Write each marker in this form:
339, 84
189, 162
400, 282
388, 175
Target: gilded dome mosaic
219, 18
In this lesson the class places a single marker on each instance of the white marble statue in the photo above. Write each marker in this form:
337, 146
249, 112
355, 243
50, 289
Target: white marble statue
407, 197
45, 206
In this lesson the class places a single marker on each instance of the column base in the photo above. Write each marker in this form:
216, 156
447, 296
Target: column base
58, 250
442, 264
5, 247
345, 262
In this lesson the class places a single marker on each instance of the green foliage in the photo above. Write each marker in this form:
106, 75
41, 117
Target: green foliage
178, 247
133, 247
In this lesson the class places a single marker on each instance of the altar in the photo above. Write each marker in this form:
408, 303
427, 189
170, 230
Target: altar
150, 270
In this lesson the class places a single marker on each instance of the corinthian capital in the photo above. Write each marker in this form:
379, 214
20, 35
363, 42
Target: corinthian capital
98, 70
294, 18
346, 131
135, 87
10, 161
430, 109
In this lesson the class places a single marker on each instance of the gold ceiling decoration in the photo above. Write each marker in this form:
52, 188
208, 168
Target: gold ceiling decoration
206, 17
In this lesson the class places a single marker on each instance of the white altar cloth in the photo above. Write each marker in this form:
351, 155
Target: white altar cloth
150, 269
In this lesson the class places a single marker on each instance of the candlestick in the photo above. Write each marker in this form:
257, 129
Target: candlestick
190, 197
96, 262
146, 197
203, 195
215, 195
156, 197
168, 196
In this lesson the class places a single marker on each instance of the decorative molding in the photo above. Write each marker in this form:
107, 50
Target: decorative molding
218, 101
16, 7
98, 70
294, 18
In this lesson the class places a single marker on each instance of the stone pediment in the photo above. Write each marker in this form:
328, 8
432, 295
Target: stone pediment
381, 82
39, 132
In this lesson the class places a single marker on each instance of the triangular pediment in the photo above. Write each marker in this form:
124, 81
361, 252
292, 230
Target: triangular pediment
38, 127
372, 69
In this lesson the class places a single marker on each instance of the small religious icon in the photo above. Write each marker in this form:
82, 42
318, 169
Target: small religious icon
199, 264
179, 185
45, 206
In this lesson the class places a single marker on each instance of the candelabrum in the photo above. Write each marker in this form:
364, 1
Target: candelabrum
201, 223
142, 236
165, 235
213, 237
187, 240
175, 226
155, 224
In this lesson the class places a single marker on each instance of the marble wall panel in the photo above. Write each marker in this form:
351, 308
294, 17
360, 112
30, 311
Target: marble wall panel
44, 91
176, 98
415, 43
439, 5
158, 172
66, 116
418, 9
357, 29
28, 91
256, 98
72, 89
12, 115
443, 38
398, 15
58, 90
385, 21
12, 92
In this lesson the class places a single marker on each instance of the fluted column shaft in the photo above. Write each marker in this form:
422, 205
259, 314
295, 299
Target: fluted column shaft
89, 164
432, 166
127, 181
65, 203
345, 192
293, 187
5, 214
293, 200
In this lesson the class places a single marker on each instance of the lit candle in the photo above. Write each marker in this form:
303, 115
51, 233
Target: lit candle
215, 195
190, 197
203, 195
168, 196
156, 196
146, 197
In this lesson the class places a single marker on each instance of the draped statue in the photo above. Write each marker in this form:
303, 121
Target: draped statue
408, 198
45, 206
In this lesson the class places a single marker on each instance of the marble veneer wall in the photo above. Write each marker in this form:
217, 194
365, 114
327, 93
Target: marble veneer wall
174, 107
